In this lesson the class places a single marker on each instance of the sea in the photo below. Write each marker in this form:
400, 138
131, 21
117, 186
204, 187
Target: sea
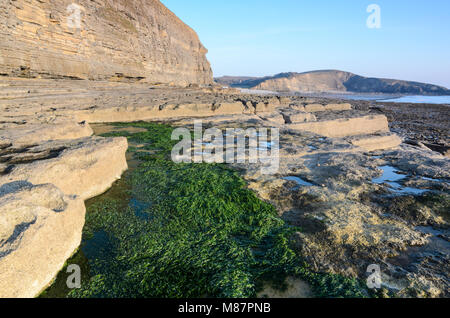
412, 99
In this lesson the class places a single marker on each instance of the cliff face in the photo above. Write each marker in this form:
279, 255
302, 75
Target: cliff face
112, 39
333, 82
307, 82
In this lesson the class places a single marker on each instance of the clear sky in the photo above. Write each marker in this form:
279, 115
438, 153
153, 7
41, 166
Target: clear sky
265, 37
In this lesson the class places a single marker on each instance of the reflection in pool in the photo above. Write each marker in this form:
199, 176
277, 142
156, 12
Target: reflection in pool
391, 176
299, 181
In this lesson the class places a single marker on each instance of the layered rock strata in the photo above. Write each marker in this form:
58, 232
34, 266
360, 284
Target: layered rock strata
116, 40
40, 229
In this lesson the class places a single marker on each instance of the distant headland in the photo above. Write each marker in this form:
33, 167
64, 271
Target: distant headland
332, 81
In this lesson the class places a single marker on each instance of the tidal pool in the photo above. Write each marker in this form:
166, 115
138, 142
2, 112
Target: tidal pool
391, 176
169, 230
300, 182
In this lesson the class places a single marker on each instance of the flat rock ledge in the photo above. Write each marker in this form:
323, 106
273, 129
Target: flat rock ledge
46, 173
38, 237
84, 167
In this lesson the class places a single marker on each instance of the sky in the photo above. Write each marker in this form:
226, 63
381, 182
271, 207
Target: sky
266, 37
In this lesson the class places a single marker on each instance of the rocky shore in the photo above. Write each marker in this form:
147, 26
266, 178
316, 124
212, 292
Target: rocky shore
47, 171
423, 125
361, 183
50, 163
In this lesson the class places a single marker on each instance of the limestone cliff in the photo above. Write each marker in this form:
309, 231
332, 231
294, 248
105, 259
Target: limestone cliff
111, 39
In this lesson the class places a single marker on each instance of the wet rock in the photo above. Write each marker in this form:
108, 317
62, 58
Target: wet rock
346, 221
420, 162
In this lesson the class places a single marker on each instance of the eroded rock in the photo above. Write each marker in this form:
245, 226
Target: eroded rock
33, 134
346, 126
326, 188
40, 228
86, 167
118, 41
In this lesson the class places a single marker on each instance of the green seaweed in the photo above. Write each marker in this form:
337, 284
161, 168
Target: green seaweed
191, 230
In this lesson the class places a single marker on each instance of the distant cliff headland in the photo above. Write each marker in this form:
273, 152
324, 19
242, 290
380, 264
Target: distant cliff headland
332, 81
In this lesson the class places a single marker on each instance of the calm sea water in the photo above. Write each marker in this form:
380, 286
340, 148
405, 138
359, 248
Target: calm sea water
388, 98
420, 99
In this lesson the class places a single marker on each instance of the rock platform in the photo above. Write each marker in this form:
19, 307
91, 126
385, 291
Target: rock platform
47, 146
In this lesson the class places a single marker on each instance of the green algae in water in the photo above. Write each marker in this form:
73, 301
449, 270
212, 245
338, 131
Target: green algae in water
188, 231
120, 193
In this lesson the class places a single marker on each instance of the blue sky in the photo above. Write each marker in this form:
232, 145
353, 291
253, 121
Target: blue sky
265, 37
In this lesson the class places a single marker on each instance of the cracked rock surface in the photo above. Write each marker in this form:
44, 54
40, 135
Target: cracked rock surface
331, 183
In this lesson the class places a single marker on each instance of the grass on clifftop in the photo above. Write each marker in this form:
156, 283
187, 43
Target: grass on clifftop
190, 230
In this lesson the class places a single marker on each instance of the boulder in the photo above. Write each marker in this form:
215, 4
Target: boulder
274, 118
377, 142
298, 117
345, 127
311, 108
329, 107
338, 107
40, 228
266, 107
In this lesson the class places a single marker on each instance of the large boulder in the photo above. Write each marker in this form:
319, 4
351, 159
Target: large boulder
40, 228
42, 191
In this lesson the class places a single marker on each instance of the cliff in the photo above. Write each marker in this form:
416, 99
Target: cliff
332, 81
98, 40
